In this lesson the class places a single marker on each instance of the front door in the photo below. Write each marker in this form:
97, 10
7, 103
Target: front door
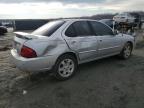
108, 43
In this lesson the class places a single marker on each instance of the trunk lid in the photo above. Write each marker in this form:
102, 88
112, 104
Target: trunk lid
20, 38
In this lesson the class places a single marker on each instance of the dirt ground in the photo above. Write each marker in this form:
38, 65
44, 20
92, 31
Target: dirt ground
106, 83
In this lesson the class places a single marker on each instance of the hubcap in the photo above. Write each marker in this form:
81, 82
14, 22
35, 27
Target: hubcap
66, 67
127, 51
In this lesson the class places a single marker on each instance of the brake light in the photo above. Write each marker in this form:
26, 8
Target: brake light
27, 52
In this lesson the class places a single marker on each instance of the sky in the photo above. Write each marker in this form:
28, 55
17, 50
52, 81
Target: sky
44, 9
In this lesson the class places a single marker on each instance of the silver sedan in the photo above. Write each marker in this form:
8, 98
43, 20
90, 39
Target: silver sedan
61, 45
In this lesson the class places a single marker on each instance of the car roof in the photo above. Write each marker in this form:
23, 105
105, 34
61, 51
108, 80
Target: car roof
78, 19
106, 20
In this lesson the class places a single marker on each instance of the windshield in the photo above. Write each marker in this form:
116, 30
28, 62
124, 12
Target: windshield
49, 28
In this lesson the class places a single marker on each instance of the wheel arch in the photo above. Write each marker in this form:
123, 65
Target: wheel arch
70, 53
131, 43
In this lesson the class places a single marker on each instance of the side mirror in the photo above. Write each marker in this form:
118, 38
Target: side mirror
114, 29
116, 32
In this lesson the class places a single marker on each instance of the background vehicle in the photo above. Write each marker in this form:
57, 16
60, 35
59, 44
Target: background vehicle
3, 30
61, 45
124, 18
138, 20
128, 22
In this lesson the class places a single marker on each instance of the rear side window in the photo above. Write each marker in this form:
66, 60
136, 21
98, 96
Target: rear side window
79, 28
100, 29
49, 28
70, 32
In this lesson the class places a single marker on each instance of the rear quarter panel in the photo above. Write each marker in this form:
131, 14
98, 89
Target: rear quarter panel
44, 47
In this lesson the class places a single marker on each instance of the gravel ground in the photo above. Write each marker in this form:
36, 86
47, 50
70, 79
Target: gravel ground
106, 83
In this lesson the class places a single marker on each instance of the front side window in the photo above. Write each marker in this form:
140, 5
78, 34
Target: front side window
49, 28
100, 29
79, 28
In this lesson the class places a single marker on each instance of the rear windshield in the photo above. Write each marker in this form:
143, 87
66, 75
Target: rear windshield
49, 28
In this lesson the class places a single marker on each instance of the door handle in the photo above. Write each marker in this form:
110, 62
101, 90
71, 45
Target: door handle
73, 42
100, 40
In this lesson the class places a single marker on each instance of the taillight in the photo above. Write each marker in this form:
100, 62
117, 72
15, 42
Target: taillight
27, 52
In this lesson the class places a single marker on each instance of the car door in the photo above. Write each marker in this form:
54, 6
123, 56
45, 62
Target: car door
108, 43
80, 39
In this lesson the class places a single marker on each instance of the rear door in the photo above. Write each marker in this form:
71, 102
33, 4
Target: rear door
81, 39
108, 43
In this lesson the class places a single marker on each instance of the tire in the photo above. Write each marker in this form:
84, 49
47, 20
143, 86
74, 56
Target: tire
127, 51
65, 67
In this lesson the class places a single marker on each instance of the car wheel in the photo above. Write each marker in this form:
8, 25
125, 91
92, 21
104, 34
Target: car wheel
126, 52
65, 67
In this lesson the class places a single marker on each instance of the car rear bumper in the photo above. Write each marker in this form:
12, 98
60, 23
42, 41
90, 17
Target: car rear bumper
32, 64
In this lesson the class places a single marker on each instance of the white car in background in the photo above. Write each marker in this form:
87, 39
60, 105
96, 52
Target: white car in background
124, 18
